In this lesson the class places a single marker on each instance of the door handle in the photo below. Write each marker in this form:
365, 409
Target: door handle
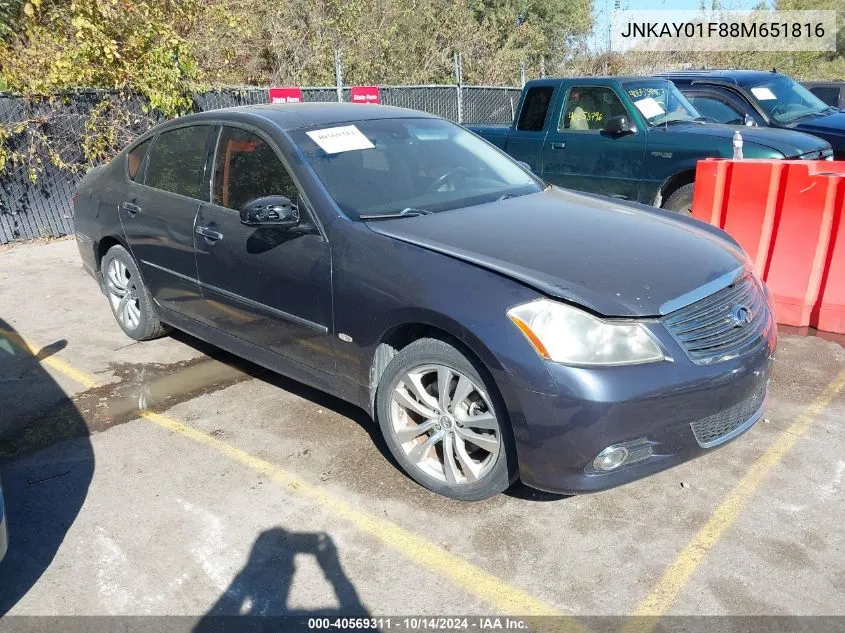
131, 208
558, 144
209, 233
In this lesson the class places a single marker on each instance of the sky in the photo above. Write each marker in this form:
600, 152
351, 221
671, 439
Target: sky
602, 8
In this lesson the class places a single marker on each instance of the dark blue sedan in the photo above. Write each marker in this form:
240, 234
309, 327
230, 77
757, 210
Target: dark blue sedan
495, 327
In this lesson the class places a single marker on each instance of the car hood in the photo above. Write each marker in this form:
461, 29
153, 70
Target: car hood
788, 142
611, 257
833, 123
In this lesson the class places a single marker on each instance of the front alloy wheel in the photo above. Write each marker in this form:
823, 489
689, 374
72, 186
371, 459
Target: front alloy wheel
444, 423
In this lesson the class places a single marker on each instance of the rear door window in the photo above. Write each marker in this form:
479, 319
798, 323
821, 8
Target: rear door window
177, 159
245, 168
535, 109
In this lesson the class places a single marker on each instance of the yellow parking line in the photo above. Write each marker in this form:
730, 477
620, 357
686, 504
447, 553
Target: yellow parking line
472, 579
665, 592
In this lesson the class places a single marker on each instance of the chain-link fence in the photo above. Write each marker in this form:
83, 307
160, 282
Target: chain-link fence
48, 136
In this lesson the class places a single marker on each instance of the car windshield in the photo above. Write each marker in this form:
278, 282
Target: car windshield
389, 167
785, 100
659, 101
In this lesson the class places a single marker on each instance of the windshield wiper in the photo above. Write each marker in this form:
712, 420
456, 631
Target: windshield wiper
804, 116
408, 212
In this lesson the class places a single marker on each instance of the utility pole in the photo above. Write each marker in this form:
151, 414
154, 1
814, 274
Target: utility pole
338, 75
459, 81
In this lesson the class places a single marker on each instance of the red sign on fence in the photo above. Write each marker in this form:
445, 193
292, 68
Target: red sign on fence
285, 95
364, 94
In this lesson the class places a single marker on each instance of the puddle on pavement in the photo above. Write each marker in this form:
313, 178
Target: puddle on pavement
152, 386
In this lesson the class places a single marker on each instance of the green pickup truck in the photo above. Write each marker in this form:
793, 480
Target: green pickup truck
629, 137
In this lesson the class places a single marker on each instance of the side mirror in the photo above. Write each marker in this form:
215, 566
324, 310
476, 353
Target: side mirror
276, 211
619, 126
525, 166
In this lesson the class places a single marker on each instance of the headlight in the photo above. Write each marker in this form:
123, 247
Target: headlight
565, 334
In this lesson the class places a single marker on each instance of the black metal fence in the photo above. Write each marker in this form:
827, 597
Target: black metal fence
49, 136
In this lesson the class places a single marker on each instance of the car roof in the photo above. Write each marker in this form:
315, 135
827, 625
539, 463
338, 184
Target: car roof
737, 77
292, 116
587, 80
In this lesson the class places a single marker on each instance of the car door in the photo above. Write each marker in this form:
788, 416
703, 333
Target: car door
579, 154
269, 286
525, 140
158, 210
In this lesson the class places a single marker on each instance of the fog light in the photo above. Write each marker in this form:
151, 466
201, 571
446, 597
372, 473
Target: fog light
610, 458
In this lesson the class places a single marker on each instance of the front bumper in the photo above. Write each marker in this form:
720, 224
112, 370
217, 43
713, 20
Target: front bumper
652, 405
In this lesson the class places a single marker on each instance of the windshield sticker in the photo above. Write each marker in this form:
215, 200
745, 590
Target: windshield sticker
763, 93
649, 107
334, 140
636, 93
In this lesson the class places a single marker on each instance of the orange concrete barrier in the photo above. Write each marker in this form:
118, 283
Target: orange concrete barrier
787, 215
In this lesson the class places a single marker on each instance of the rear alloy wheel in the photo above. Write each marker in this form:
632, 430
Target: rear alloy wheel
442, 424
680, 200
128, 297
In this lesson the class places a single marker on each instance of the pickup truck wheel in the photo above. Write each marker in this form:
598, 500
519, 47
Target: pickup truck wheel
445, 424
680, 200
128, 296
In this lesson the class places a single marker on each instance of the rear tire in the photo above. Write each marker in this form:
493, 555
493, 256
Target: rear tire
680, 200
458, 444
130, 301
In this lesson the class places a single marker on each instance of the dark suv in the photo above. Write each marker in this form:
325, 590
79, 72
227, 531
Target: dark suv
755, 97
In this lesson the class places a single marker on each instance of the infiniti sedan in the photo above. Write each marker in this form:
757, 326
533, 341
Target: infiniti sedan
494, 327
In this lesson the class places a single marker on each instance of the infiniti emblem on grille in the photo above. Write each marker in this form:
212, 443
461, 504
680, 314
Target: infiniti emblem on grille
740, 316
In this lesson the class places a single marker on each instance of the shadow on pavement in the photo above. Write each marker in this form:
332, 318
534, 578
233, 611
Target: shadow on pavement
262, 588
46, 463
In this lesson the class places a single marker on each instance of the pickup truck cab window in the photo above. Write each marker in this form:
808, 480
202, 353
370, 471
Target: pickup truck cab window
535, 109
588, 109
660, 102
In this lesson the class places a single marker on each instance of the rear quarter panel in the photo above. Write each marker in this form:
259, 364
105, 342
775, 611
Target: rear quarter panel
95, 215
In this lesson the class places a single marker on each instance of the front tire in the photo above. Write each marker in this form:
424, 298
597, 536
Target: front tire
130, 301
444, 423
680, 200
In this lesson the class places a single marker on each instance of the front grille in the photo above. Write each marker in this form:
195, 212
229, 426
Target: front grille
722, 426
712, 329
822, 154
